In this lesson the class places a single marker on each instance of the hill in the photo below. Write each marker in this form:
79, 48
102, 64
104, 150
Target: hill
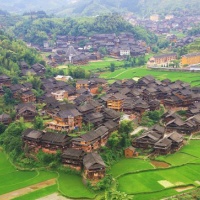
96, 7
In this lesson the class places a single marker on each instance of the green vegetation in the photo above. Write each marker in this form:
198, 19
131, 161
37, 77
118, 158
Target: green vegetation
151, 118
135, 73
11, 52
38, 193
101, 65
177, 158
13, 179
150, 181
36, 31
129, 165
72, 186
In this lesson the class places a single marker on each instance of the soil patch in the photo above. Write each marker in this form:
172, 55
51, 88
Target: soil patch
159, 164
181, 189
27, 190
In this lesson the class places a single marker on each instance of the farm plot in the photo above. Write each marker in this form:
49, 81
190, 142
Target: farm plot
192, 78
129, 165
192, 148
38, 193
157, 180
178, 158
13, 179
72, 186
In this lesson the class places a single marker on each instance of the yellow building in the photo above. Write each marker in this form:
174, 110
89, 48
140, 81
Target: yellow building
190, 59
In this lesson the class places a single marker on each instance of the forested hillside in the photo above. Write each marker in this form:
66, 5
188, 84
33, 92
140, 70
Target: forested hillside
11, 52
95, 7
38, 30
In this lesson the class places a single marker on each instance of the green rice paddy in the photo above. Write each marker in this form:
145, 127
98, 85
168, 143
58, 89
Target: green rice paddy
135, 73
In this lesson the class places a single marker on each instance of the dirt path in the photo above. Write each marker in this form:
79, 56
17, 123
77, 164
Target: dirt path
54, 196
27, 190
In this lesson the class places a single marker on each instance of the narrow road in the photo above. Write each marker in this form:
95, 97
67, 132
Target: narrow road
27, 190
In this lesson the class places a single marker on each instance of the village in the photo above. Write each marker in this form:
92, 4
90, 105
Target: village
68, 108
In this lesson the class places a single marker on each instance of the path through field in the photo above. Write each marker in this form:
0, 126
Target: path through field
27, 190
54, 196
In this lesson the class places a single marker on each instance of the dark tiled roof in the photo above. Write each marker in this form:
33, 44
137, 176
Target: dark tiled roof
92, 161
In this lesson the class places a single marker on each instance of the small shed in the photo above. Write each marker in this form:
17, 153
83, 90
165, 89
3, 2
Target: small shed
130, 152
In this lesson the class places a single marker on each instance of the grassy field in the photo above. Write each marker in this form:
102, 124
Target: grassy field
101, 64
12, 179
150, 181
178, 158
129, 165
192, 78
38, 193
72, 186
159, 183
192, 148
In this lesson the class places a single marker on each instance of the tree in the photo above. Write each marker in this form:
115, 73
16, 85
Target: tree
103, 50
117, 195
38, 122
2, 128
114, 139
8, 96
112, 67
126, 126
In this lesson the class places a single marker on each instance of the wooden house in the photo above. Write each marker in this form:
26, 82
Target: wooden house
82, 84
177, 140
27, 96
130, 152
111, 125
52, 142
66, 120
73, 158
60, 95
94, 118
26, 110
110, 114
163, 146
32, 139
158, 129
5, 80
181, 126
92, 140
94, 166
147, 140
5, 119
39, 69
96, 83
115, 101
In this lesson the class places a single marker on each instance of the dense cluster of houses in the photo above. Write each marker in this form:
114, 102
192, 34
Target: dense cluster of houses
102, 116
69, 50
164, 25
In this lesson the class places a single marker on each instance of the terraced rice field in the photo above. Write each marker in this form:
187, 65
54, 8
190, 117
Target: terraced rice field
135, 73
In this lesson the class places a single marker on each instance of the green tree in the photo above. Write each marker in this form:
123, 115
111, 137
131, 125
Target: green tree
112, 67
38, 123
8, 96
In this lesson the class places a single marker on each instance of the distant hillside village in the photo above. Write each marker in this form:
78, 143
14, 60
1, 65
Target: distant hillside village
69, 108
80, 50
163, 25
